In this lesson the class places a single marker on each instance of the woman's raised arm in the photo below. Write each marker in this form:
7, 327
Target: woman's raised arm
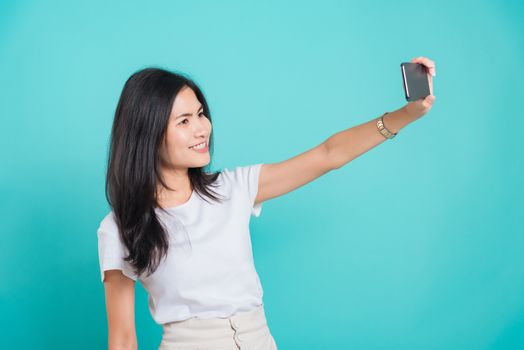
280, 178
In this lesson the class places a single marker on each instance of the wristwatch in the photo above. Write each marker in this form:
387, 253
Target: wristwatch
383, 130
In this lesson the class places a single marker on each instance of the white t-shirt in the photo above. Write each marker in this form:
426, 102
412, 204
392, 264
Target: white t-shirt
211, 275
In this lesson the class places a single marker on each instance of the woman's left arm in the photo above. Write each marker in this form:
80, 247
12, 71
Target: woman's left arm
280, 178
348, 144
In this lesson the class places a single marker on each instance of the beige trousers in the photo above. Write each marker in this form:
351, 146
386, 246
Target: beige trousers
243, 330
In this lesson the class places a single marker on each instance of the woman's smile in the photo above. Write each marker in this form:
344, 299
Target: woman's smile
200, 148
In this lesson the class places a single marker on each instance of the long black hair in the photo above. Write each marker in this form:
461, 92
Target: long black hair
133, 170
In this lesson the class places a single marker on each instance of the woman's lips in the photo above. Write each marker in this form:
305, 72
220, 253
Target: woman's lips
202, 150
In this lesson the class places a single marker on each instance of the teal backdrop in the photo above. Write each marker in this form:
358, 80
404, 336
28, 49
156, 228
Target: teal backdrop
416, 244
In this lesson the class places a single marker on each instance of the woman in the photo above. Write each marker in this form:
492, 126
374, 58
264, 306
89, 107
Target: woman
184, 232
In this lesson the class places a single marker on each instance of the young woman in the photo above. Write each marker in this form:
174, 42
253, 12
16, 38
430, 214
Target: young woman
184, 232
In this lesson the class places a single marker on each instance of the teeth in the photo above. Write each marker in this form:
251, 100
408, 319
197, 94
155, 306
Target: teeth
199, 146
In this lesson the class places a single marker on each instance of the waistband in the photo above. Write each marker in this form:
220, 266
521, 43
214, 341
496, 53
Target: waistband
241, 327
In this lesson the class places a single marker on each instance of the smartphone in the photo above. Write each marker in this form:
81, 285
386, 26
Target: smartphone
415, 79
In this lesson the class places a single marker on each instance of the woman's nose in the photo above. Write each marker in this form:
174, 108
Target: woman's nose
200, 128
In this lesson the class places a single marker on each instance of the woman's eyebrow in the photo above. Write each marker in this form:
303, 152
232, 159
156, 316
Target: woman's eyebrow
188, 114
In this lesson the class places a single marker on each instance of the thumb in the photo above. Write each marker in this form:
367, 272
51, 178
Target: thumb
429, 99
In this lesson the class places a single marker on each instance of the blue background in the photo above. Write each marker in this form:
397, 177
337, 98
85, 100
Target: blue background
416, 244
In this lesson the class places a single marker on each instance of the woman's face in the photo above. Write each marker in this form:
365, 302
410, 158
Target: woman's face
187, 126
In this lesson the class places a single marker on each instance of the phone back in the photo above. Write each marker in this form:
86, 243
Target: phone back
415, 78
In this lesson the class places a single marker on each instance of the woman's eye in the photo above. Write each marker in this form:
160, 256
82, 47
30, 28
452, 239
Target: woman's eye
185, 120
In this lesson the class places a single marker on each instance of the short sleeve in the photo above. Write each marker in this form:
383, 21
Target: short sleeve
254, 172
251, 174
111, 250
245, 180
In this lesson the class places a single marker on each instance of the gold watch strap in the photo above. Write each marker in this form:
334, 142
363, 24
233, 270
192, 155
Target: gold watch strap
382, 128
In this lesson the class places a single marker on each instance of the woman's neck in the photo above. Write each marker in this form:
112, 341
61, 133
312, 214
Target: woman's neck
181, 189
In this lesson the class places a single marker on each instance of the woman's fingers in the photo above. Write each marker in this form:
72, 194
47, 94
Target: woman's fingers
428, 101
422, 106
431, 68
428, 63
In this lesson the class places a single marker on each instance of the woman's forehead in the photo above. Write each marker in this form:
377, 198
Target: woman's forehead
185, 102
